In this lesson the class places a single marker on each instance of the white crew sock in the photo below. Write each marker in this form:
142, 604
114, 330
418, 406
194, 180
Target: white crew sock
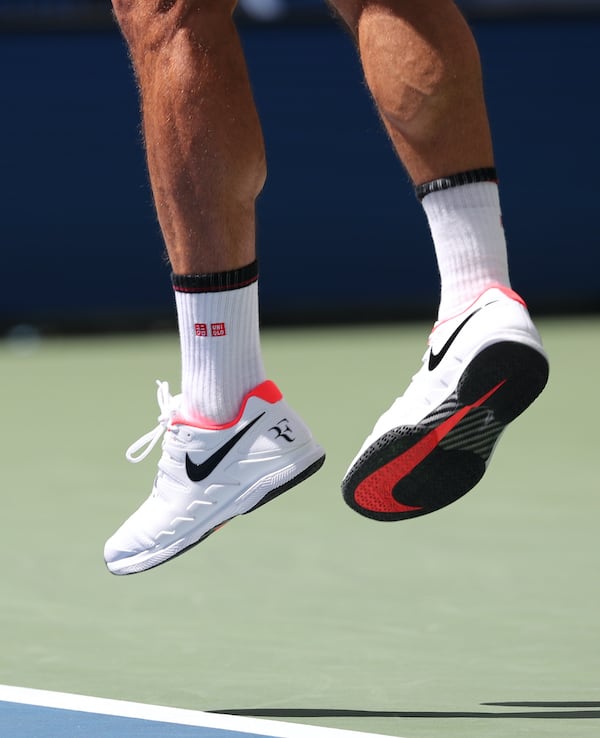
221, 360
470, 245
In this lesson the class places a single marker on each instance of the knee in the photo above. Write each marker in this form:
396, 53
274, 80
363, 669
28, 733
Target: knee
151, 22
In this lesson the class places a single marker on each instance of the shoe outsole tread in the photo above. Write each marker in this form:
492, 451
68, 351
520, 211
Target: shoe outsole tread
459, 461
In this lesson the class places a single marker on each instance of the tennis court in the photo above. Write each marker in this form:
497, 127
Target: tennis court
480, 620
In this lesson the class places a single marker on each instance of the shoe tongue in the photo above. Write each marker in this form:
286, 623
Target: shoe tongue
176, 409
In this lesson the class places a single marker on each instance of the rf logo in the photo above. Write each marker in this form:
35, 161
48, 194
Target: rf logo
283, 430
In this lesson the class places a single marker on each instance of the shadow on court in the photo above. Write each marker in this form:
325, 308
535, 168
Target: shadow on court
543, 711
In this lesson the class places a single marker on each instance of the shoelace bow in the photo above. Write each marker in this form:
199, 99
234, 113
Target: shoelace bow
148, 441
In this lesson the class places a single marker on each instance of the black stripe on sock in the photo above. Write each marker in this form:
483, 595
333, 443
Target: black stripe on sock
487, 174
217, 281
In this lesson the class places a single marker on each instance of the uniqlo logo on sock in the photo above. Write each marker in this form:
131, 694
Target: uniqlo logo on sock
201, 329
217, 329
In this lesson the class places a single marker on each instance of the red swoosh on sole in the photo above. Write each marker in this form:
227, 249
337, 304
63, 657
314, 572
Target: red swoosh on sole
375, 491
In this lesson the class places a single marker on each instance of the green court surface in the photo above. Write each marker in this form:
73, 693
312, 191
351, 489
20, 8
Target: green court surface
481, 620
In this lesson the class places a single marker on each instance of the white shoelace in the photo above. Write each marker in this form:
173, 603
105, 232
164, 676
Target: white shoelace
144, 445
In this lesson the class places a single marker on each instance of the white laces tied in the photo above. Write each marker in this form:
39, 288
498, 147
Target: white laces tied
148, 441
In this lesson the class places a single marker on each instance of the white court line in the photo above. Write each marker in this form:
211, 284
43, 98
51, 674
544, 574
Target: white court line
176, 715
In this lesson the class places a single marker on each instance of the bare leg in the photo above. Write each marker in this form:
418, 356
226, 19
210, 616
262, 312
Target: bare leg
422, 66
203, 138
206, 160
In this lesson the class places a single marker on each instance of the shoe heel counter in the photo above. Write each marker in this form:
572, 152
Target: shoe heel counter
267, 391
507, 319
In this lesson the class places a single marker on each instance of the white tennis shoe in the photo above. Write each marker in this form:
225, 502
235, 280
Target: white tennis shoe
208, 475
481, 370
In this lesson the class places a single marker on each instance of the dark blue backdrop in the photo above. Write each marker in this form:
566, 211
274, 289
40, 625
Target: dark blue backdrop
340, 233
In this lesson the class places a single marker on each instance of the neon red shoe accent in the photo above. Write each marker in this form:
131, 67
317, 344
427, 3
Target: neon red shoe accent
510, 293
267, 391
375, 492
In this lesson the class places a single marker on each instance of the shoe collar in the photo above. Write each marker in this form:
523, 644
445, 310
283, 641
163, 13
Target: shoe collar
267, 391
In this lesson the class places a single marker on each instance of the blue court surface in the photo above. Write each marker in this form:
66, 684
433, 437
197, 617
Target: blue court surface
33, 713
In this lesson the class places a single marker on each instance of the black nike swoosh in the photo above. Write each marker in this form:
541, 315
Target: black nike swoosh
435, 359
198, 472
